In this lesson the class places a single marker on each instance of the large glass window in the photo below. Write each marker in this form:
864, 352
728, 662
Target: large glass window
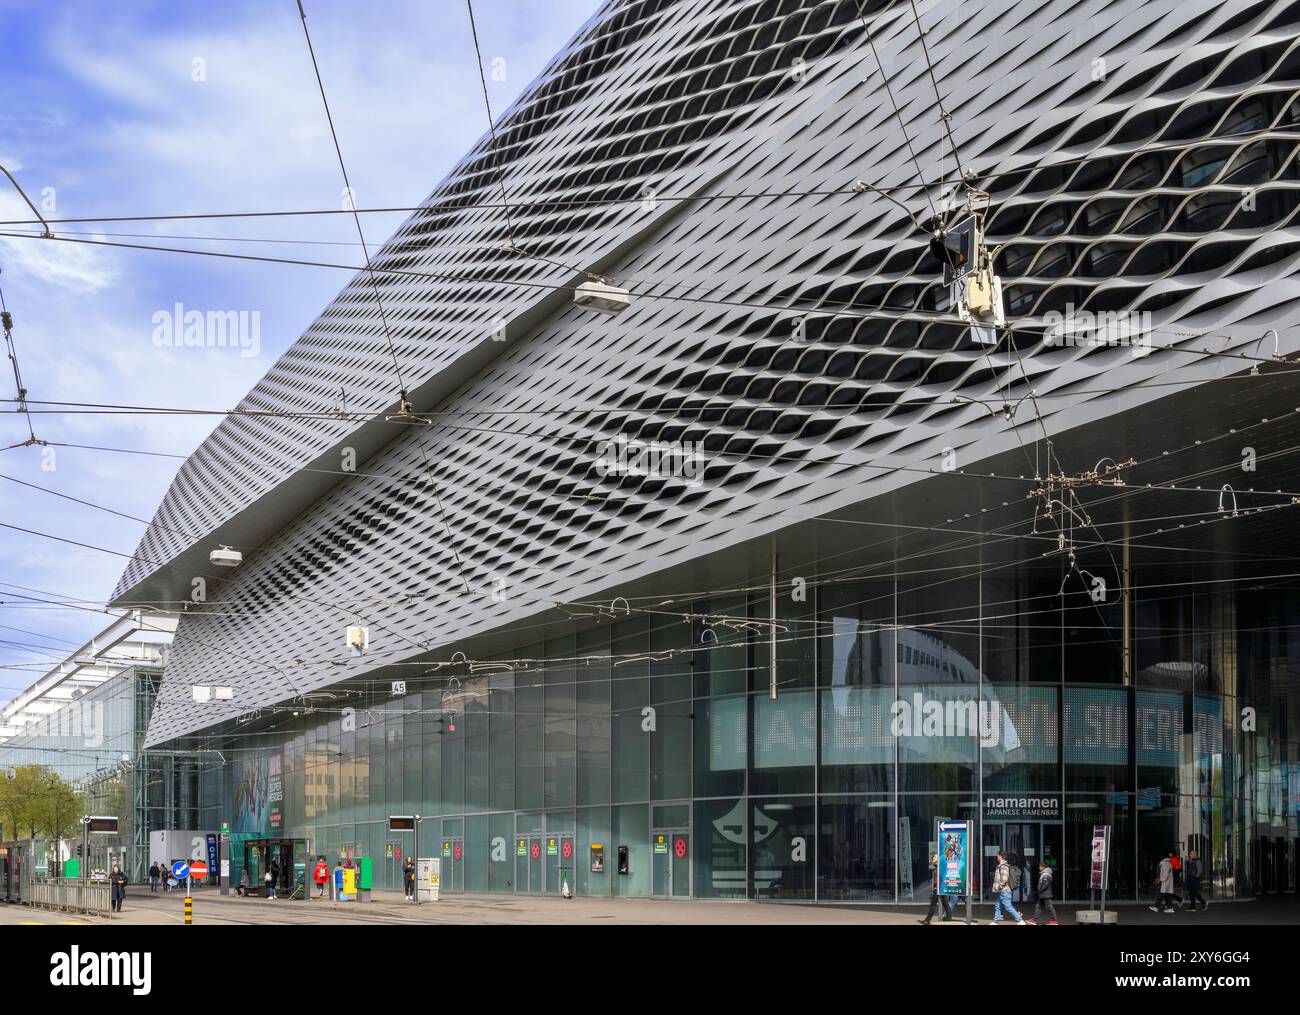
1020, 738
721, 745
857, 745
501, 742
784, 742
721, 832
783, 847
1097, 738
855, 851
561, 723
594, 732
856, 634
529, 758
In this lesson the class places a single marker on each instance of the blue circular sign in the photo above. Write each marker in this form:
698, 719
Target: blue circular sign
180, 869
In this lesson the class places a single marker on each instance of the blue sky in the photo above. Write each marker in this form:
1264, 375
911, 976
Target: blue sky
187, 106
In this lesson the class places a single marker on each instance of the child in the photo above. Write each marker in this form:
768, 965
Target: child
1044, 896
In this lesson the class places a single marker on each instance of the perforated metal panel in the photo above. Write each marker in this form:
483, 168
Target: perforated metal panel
804, 341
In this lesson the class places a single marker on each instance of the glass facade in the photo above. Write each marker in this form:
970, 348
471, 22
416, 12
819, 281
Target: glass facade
95, 744
646, 756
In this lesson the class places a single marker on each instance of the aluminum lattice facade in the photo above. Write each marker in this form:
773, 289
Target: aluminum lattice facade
1139, 156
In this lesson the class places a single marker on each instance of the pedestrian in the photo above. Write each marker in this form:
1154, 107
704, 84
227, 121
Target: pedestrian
275, 873
243, 886
1177, 864
408, 878
1005, 881
1193, 871
155, 872
118, 882
1164, 883
320, 874
269, 880
1045, 893
936, 900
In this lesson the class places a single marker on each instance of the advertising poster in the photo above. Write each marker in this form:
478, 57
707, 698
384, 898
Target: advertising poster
954, 857
1100, 857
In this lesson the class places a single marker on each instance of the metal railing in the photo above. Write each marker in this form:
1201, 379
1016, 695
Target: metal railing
72, 895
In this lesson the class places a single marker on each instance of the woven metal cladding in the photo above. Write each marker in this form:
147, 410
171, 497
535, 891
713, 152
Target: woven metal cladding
802, 340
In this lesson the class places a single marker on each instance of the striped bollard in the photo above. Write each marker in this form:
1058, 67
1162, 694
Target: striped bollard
189, 911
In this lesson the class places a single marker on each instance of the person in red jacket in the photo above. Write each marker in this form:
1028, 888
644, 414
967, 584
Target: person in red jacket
320, 874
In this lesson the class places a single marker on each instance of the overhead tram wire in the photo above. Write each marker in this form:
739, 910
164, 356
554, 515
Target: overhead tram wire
920, 176
405, 398
559, 203
857, 575
945, 117
898, 315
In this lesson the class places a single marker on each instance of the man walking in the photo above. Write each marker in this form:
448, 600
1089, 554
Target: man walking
118, 882
1045, 894
320, 874
1003, 883
155, 872
1193, 872
936, 900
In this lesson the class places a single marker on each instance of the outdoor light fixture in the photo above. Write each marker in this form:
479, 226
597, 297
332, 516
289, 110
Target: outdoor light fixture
602, 297
358, 639
226, 557
205, 692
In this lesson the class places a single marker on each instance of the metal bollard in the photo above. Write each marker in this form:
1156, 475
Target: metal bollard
189, 911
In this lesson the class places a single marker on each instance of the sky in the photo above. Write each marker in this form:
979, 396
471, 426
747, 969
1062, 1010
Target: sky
189, 107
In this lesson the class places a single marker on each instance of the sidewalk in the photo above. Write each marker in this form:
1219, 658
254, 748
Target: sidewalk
389, 908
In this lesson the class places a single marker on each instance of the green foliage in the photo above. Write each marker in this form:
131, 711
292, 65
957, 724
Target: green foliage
37, 803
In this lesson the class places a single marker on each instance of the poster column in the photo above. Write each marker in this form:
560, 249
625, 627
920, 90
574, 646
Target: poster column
954, 840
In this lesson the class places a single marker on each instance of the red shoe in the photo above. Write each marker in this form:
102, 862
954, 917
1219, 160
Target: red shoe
1052, 923
1031, 921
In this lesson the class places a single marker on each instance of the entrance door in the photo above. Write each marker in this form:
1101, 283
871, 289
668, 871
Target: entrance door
670, 863
453, 863
393, 861
1022, 842
558, 862
529, 849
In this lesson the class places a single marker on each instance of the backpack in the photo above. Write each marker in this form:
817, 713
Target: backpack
1013, 877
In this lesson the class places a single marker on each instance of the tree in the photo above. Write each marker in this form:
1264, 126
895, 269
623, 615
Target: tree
36, 802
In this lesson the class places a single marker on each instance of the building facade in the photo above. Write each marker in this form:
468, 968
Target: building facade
735, 593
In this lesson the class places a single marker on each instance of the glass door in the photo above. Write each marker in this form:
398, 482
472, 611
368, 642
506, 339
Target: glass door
453, 863
559, 862
670, 863
393, 866
529, 864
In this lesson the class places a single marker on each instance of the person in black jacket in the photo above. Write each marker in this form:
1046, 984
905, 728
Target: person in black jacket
936, 900
118, 882
155, 872
1045, 894
408, 878
1193, 872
